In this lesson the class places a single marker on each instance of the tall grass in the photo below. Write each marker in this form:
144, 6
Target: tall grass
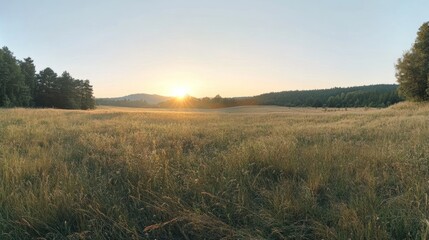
305, 174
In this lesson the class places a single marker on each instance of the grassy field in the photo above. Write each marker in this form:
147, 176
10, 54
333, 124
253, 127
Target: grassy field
240, 173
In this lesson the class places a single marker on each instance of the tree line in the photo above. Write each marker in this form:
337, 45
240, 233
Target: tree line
21, 86
124, 103
206, 102
382, 95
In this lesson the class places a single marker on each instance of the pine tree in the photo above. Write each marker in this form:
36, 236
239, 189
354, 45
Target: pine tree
46, 88
88, 101
29, 71
67, 97
13, 90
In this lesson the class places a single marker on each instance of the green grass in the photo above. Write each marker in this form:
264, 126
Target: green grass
245, 173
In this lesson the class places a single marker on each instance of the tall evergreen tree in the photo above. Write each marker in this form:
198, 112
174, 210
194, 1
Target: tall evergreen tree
13, 90
67, 97
29, 71
88, 101
412, 70
46, 88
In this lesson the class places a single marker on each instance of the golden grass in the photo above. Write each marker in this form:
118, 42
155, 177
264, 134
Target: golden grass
239, 173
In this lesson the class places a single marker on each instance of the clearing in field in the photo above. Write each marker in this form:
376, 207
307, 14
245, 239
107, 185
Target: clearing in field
238, 173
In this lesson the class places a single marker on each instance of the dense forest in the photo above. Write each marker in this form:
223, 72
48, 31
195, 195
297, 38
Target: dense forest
363, 96
21, 86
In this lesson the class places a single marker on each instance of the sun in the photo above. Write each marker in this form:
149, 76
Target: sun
180, 92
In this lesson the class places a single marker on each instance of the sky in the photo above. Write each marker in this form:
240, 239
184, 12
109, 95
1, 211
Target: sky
226, 47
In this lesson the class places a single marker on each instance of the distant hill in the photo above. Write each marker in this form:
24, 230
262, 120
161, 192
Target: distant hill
149, 98
381, 95
133, 100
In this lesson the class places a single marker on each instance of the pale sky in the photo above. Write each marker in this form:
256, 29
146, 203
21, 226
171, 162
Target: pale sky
226, 47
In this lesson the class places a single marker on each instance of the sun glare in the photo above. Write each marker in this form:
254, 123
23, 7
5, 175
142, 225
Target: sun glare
180, 92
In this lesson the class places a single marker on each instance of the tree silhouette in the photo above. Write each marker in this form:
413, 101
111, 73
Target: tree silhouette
20, 86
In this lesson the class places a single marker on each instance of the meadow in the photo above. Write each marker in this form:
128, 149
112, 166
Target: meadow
238, 173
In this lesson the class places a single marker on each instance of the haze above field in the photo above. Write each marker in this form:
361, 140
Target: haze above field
239, 48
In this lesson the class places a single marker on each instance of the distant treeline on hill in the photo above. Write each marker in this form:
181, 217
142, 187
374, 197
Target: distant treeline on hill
216, 102
382, 95
123, 103
364, 96
20, 86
